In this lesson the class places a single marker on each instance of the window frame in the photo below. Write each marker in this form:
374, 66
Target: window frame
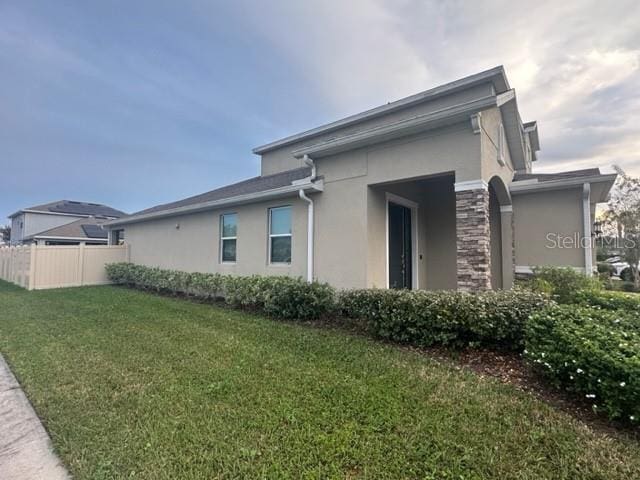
276, 235
223, 238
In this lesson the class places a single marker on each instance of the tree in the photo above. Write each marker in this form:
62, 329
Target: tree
5, 232
623, 214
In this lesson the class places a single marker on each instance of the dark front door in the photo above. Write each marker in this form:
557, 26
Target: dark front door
400, 247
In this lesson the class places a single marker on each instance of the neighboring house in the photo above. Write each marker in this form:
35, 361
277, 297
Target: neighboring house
433, 191
62, 222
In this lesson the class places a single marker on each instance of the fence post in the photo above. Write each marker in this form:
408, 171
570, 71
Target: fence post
127, 254
81, 264
32, 267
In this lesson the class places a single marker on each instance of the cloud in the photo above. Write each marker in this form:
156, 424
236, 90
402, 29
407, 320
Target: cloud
569, 61
177, 94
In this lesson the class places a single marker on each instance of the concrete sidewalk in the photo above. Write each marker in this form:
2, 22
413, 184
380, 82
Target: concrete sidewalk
25, 447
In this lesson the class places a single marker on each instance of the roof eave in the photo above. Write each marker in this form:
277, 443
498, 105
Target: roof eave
61, 237
528, 186
496, 75
287, 190
402, 128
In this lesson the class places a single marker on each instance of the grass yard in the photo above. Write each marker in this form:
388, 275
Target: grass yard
132, 385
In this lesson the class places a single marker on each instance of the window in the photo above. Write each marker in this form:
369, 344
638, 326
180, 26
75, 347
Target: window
228, 237
280, 235
117, 237
501, 145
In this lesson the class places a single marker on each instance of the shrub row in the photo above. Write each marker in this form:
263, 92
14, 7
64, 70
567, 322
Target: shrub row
592, 352
608, 300
282, 297
563, 282
458, 319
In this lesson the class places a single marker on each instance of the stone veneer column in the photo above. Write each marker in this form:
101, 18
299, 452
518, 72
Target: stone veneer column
473, 236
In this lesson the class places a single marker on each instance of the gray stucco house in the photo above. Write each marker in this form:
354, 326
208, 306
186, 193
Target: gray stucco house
434, 191
63, 222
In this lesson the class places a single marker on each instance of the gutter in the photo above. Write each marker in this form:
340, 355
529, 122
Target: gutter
316, 186
46, 212
74, 239
495, 75
586, 219
524, 186
382, 133
310, 218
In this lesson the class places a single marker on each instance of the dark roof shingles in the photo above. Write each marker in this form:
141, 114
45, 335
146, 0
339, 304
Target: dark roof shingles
545, 177
82, 228
245, 187
78, 208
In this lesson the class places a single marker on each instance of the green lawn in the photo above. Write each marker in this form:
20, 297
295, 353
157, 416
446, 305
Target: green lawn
132, 385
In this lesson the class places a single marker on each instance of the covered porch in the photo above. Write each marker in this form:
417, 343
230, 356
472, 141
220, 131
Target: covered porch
435, 234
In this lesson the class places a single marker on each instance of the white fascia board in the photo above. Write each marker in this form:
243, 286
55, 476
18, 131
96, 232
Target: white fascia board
46, 212
404, 127
317, 186
505, 97
526, 186
496, 73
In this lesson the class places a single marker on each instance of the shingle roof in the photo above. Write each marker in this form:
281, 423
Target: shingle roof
545, 177
77, 208
88, 228
251, 185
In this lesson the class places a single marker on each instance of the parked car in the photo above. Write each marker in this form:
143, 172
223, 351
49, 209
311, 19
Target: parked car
620, 268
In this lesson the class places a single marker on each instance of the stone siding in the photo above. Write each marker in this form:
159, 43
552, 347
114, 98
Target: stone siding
473, 240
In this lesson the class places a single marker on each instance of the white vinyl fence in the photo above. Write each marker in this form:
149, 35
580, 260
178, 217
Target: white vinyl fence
38, 267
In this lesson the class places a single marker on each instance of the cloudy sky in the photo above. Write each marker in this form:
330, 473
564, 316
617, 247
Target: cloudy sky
133, 103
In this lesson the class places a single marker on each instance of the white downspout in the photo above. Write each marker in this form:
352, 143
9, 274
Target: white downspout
310, 220
586, 217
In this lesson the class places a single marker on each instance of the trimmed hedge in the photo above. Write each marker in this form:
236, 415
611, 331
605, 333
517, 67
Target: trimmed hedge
458, 319
608, 300
283, 297
594, 353
563, 282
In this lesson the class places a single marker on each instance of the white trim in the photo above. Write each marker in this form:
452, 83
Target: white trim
397, 129
45, 212
392, 198
470, 185
222, 239
73, 239
522, 186
277, 235
586, 218
505, 97
506, 208
497, 72
317, 186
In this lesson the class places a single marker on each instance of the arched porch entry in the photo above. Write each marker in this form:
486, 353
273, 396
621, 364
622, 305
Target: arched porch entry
501, 234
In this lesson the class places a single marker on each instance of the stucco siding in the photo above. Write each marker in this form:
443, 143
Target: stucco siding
195, 245
282, 158
17, 229
491, 120
33, 223
341, 233
546, 226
